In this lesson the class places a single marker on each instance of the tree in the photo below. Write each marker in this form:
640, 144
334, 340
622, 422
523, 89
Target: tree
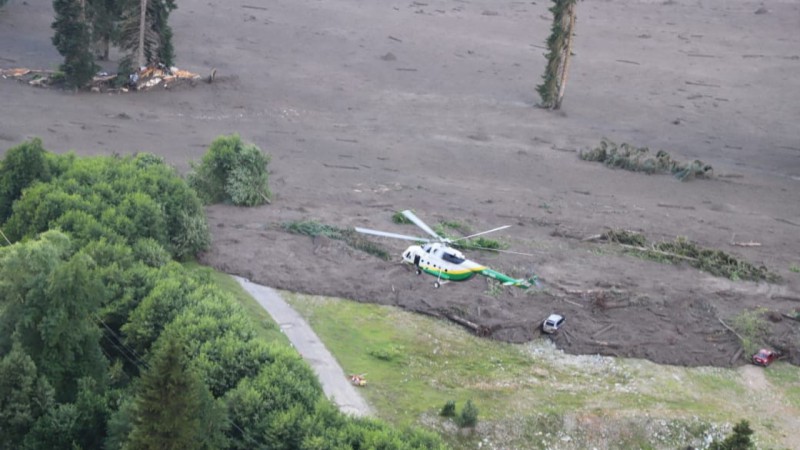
469, 416
173, 409
145, 34
104, 16
232, 171
73, 39
738, 440
559, 46
21, 166
49, 298
24, 397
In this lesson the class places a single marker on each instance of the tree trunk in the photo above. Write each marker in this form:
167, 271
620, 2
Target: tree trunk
567, 53
142, 20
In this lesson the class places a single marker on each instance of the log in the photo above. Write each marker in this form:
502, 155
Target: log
737, 355
731, 329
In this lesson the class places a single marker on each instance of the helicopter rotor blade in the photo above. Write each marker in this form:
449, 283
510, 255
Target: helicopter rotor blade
501, 251
418, 222
482, 232
391, 235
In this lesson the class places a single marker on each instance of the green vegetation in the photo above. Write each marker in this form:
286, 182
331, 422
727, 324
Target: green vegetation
715, 262
738, 440
72, 39
449, 409
232, 172
349, 236
107, 342
479, 243
468, 418
794, 268
400, 219
559, 46
638, 159
752, 328
528, 395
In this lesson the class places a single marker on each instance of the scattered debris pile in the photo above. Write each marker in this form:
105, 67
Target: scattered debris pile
639, 159
145, 78
715, 262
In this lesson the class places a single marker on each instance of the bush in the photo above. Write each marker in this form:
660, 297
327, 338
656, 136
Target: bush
469, 416
232, 172
449, 409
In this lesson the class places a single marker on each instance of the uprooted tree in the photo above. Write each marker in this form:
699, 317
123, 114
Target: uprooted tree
559, 46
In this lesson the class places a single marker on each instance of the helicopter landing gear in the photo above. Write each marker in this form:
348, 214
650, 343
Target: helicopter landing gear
436, 284
417, 271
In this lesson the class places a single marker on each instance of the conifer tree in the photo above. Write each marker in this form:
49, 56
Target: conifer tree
73, 39
145, 34
173, 405
559, 46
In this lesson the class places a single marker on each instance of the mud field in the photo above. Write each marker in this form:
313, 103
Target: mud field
370, 107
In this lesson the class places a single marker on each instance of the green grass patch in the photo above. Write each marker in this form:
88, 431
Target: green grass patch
349, 236
786, 377
266, 328
416, 364
794, 268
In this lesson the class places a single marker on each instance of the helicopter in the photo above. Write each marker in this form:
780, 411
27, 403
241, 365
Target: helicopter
436, 256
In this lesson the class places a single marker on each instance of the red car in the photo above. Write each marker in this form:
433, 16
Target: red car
764, 357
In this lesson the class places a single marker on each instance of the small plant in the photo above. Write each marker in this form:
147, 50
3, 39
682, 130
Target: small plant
387, 353
449, 409
794, 268
399, 218
468, 417
738, 440
494, 288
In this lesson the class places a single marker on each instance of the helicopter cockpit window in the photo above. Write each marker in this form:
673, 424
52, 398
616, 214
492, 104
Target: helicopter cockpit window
449, 257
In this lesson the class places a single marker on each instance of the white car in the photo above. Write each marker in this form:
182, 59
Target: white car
553, 323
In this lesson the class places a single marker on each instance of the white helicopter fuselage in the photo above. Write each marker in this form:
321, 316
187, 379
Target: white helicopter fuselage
444, 262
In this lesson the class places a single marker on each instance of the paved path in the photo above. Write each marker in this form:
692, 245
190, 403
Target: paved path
330, 374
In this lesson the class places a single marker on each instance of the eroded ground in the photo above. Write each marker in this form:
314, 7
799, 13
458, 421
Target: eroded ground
372, 107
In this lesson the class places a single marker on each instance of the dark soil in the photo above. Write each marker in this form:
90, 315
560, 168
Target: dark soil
448, 127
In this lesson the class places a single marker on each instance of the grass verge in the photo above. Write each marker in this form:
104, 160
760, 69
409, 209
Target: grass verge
529, 396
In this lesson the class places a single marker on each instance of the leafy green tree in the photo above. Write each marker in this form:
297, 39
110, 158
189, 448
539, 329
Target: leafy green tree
173, 408
72, 40
21, 166
232, 171
24, 397
738, 440
559, 46
81, 424
50, 298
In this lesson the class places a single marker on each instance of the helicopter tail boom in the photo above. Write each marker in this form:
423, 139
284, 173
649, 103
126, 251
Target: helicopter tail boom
508, 281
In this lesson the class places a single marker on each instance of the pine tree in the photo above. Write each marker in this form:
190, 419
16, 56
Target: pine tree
559, 45
145, 34
173, 405
73, 40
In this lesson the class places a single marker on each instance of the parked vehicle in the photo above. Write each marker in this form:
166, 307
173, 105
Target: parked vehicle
764, 357
553, 323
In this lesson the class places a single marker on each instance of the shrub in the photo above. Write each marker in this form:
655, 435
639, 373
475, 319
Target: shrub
469, 416
449, 409
233, 172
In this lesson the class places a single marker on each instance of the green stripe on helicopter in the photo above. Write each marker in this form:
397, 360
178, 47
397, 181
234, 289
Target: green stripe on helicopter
454, 275
505, 279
